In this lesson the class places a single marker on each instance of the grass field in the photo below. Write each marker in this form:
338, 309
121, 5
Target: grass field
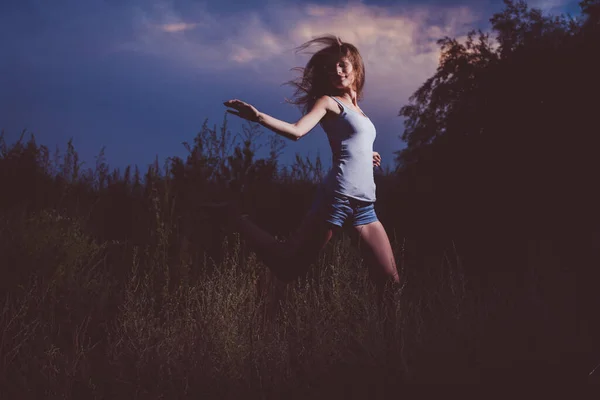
83, 319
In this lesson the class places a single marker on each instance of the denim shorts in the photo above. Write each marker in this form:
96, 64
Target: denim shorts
338, 209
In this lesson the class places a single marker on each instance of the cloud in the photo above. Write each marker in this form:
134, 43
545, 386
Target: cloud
178, 27
398, 46
398, 43
548, 5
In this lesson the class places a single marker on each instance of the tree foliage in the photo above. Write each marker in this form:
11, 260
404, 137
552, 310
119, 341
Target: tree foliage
504, 132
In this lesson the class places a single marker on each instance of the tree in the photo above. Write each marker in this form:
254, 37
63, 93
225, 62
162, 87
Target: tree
501, 128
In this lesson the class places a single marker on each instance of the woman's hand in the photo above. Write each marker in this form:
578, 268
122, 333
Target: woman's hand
376, 159
243, 110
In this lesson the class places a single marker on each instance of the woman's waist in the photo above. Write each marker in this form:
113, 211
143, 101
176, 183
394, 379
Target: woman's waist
343, 158
356, 173
355, 186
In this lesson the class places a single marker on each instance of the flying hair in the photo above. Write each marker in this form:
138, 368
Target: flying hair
314, 81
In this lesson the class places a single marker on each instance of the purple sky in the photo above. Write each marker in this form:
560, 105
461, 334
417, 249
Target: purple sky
140, 76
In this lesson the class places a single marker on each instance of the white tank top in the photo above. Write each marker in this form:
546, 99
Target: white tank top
351, 136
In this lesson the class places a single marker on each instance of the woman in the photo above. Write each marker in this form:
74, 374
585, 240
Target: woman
329, 90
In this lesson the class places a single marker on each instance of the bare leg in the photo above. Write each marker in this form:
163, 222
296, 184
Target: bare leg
376, 249
287, 259
375, 246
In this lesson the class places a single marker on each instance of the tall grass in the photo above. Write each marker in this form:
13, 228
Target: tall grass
79, 326
113, 320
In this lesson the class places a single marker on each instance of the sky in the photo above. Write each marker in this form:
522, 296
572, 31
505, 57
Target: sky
139, 77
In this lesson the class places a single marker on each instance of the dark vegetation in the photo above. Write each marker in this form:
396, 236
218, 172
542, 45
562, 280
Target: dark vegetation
114, 285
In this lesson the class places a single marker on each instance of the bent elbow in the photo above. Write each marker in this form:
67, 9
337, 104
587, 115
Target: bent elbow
294, 136
297, 132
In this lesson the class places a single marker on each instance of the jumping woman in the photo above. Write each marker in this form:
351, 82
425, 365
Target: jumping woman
328, 91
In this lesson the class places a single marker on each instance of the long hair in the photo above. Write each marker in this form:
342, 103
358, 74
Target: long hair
315, 80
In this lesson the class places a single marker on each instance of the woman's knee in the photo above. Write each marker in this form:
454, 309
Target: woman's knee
287, 262
382, 274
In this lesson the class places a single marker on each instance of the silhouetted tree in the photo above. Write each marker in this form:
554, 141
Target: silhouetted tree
500, 136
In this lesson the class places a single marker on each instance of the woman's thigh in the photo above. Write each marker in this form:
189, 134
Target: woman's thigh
292, 258
375, 246
312, 236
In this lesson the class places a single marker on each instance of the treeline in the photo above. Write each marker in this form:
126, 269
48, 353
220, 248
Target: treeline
126, 206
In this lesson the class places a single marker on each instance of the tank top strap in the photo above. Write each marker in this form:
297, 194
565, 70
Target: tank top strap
339, 102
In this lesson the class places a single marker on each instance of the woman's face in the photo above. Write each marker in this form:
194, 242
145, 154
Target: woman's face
342, 74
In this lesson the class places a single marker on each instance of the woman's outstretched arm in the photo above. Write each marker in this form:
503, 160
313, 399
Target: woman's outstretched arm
290, 131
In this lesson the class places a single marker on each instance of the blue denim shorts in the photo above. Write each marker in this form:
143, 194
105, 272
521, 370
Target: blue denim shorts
338, 209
